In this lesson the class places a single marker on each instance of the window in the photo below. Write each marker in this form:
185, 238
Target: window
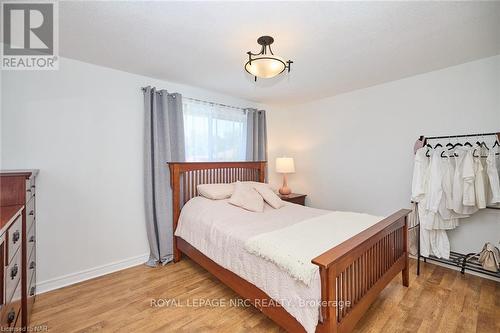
214, 132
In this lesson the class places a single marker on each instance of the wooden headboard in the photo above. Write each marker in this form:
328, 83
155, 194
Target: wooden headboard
186, 176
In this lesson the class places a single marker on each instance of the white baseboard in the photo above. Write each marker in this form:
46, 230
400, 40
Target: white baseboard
66, 280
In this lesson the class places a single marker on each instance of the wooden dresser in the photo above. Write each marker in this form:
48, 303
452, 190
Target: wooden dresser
17, 249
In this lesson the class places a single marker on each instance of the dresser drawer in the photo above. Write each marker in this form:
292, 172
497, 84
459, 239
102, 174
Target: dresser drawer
32, 287
31, 267
12, 313
30, 188
31, 239
30, 214
30, 298
14, 238
12, 275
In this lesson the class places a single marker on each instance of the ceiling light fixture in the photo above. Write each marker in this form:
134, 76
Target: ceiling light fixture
265, 64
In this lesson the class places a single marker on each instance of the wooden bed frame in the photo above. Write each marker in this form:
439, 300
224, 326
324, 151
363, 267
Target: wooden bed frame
353, 272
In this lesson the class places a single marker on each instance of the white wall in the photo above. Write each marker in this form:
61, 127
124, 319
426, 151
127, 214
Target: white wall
82, 126
355, 151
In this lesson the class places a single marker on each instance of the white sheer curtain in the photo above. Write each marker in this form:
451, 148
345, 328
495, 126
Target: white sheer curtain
214, 132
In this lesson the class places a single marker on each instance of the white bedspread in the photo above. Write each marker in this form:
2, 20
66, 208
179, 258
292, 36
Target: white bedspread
293, 247
219, 230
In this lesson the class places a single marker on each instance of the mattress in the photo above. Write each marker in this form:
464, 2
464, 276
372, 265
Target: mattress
219, 230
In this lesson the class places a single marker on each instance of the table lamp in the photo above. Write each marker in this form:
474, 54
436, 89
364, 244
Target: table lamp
285, 165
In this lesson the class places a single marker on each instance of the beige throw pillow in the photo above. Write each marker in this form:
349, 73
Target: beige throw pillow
269, 196
215, 191
246, 197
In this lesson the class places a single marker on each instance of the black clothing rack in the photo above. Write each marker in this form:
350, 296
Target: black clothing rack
465, 262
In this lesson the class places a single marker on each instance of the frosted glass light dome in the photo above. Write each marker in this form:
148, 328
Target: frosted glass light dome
265, 66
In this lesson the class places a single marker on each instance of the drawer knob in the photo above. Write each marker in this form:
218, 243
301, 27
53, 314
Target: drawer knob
11, 316
32, 291
32, 239
15, 236
32, 212
28, 190
13, 272
32, 265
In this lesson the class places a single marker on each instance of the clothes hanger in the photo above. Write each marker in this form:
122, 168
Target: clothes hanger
429, 147
449, 145
452, 146
458, 144
479, 145
474, 151
497, 144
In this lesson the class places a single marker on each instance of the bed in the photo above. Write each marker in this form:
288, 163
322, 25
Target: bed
353, 272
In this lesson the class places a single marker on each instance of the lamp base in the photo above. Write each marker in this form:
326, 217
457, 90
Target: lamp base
285, 190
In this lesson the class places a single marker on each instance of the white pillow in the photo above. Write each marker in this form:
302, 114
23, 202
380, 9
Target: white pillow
215, 191
246, 197
269, 196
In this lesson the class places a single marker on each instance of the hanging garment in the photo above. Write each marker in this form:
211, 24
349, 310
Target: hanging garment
468, 175
432, 242
448, 172
492, 171
464, 197
427, 190
446, 211
434, 190
418, 189
438, 217
479, 184
420, 171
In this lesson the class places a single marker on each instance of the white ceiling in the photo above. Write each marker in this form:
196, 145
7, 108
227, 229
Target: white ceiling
336, 46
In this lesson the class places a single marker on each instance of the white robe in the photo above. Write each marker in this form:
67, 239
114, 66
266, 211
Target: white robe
464, 197
432, 241
492, 171
438, 189
420, 171
479, 183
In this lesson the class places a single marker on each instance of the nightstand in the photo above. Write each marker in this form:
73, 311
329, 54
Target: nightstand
299, 199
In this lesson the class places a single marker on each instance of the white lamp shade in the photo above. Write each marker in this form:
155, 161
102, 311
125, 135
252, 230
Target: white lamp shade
285, 165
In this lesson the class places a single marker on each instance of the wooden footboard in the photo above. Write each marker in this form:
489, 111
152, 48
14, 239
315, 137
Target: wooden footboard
354, 272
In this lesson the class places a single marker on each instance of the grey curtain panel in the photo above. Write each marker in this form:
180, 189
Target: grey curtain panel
256, 135
164, 142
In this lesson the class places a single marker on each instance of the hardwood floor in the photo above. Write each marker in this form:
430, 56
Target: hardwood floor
439, 300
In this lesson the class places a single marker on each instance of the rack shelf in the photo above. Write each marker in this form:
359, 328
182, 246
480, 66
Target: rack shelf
459, 260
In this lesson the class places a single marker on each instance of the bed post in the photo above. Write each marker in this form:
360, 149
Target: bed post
176, 206
329, 300
406, 270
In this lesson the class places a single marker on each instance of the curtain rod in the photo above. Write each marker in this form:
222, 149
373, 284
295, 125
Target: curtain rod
208, 102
